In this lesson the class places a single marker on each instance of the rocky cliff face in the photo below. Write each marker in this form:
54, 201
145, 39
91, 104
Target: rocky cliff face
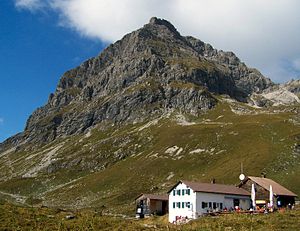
147, 72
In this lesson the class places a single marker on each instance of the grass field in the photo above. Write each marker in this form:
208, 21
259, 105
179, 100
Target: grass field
110, 167
26, 218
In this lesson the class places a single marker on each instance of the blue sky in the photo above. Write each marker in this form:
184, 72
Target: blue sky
34, 52
41, 39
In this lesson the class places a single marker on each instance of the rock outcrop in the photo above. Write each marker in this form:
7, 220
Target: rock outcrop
293, 86
280, 94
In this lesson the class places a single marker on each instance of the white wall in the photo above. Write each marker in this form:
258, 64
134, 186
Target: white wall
225, 199
207, 197
183, 212
196, 199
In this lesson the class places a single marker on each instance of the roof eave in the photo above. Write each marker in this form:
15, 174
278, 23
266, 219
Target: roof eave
276, 194
175, 186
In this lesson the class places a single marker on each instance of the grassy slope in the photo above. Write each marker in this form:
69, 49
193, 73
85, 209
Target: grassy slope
20, 218
135, 159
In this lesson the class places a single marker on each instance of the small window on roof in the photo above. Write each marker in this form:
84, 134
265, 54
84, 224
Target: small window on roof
174, 192
178, 192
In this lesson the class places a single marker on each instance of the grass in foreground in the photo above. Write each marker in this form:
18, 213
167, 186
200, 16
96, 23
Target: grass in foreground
23, 218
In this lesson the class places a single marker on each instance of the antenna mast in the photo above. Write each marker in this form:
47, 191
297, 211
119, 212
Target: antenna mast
242, 176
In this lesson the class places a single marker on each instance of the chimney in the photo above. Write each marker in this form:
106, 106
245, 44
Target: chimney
263, 175
213, 181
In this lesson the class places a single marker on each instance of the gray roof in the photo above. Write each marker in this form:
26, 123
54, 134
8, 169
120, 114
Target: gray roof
161, 197
278, 189
214, 188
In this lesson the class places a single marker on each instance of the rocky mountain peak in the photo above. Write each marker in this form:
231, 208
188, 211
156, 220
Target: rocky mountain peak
163, 22
146, 73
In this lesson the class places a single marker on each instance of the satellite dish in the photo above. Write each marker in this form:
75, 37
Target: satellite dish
242, 177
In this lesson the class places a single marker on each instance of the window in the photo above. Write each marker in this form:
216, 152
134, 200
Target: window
174, 192
210, 205
183, 190
214, 205
174, 205
204, 205
221, 205
178, 205
182, 204
188, 191
188, 204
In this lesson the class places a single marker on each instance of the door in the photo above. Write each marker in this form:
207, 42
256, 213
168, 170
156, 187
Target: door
164, 207
236, 202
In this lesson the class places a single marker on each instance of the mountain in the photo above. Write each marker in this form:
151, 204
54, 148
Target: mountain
150, 109
146, 73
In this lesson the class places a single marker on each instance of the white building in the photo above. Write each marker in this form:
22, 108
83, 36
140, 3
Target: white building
191, 200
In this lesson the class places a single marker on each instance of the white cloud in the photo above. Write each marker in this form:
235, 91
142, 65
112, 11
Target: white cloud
31, 5
262, 33
1, 120
107, 20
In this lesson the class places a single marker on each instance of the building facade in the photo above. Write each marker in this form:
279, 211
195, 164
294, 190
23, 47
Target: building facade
191, 200
282, 197
148, 204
